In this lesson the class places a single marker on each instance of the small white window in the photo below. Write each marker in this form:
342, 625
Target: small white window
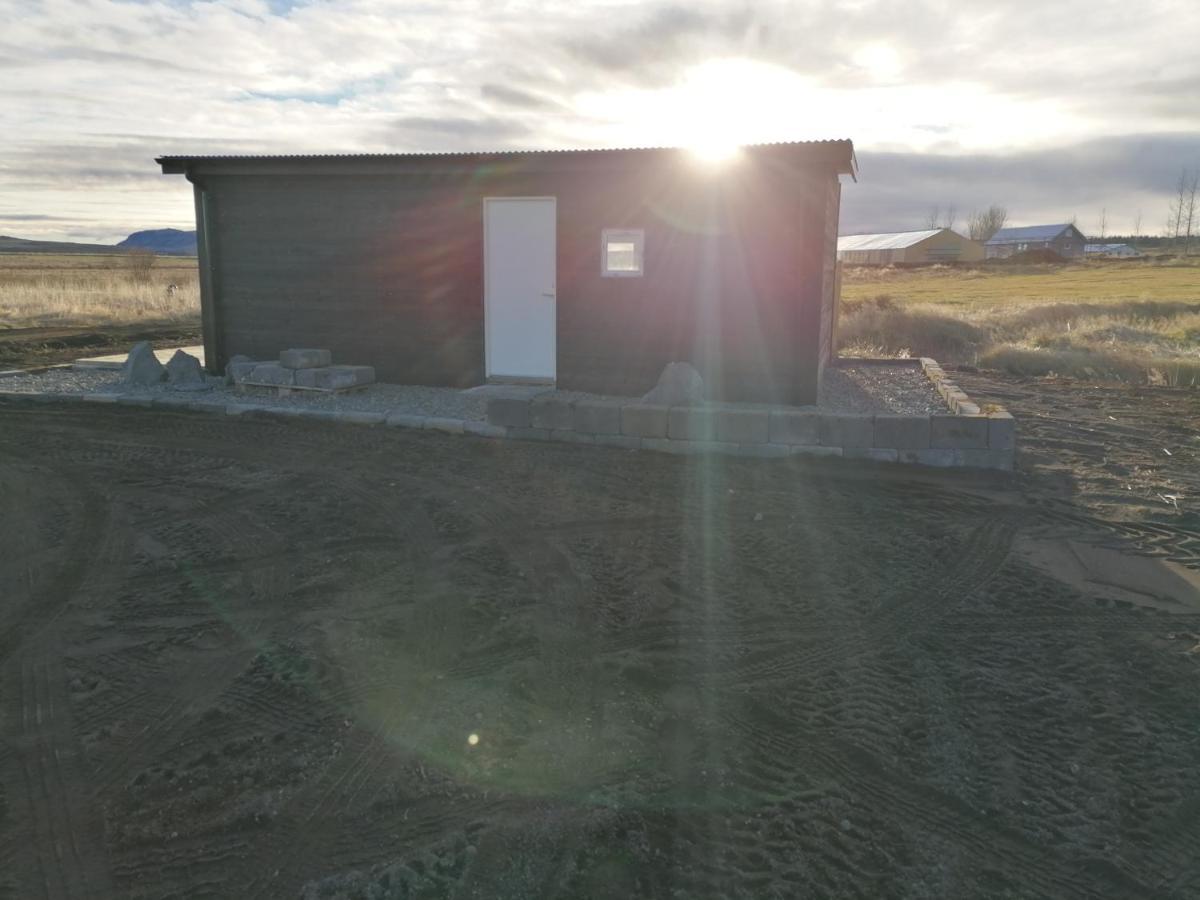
621, 252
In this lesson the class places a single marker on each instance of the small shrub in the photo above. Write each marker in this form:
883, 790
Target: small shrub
916, 332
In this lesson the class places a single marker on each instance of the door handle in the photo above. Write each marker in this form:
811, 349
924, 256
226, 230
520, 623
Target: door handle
549, 294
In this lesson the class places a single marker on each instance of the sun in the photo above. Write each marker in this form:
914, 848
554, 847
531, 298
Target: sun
714, 149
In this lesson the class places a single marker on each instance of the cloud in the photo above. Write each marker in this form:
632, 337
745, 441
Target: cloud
1123, 175
966, 98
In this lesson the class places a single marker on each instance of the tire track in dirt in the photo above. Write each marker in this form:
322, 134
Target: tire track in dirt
993, 845
985, 550
63, 827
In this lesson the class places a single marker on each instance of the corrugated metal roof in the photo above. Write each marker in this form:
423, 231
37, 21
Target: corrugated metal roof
895, 241
1028, 233
839, 144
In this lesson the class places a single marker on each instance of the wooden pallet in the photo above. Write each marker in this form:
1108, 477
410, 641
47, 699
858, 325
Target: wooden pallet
285, 390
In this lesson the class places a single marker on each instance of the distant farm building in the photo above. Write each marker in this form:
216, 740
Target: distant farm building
1113, 251
1066, 240
934, 245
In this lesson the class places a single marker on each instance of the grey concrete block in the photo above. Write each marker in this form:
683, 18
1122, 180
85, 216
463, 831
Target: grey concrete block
332, 378
646, 421
958, 432
808, 450
942, 459
598, 416
966, 408
552, 412
511, 412
438, 423
271, 373
764, 451
618, 441
847, 429
741, 426
795, 426
902, 432
877, 454
484, 429
568, 436
945, 387
1002, 431
240, 409
305, 358
529, 434
986, 459
356, 417
690, 423
405, 420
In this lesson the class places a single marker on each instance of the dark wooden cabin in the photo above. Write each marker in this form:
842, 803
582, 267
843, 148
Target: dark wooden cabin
588, 269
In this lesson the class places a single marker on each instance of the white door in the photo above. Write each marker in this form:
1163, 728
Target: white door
519, 288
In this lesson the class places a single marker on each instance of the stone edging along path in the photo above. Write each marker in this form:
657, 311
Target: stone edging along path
964, 436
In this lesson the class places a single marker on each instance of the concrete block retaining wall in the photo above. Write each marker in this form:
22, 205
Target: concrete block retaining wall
965, 435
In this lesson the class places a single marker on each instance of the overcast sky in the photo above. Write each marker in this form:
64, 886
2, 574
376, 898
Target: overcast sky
1055, 109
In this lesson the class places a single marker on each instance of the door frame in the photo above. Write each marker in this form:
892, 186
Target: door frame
487, 313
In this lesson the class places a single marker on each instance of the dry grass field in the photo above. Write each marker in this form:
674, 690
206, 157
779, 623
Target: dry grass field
1136, 321
40, 290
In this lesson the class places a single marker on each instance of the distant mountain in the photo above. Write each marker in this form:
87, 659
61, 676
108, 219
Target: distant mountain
162, 240
21, 245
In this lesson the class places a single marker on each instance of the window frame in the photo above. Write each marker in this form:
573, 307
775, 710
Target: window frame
635, 236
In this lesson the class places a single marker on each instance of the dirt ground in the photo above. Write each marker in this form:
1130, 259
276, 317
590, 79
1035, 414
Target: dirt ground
22, 348
244, 657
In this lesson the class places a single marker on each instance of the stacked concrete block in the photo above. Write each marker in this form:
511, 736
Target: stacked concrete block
958, 432
307, 369
740, 426
509, 412
847, 429
272, 374
305, 358
332, 378
645, 420
794, 426
691, 423
901, 432
551, 412
598, 416
963, 436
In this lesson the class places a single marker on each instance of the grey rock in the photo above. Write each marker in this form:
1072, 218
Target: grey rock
184, 373
238, 368
678, 385
305, 358
142, 366
238, 372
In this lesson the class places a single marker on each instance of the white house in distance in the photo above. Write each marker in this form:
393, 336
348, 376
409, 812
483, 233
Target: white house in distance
1066, 240
930, 246
1111, 251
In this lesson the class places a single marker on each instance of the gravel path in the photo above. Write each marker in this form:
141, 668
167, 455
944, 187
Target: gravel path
880, 389
861, 389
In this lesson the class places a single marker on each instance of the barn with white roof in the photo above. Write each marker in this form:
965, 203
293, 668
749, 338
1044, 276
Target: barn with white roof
930, 246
